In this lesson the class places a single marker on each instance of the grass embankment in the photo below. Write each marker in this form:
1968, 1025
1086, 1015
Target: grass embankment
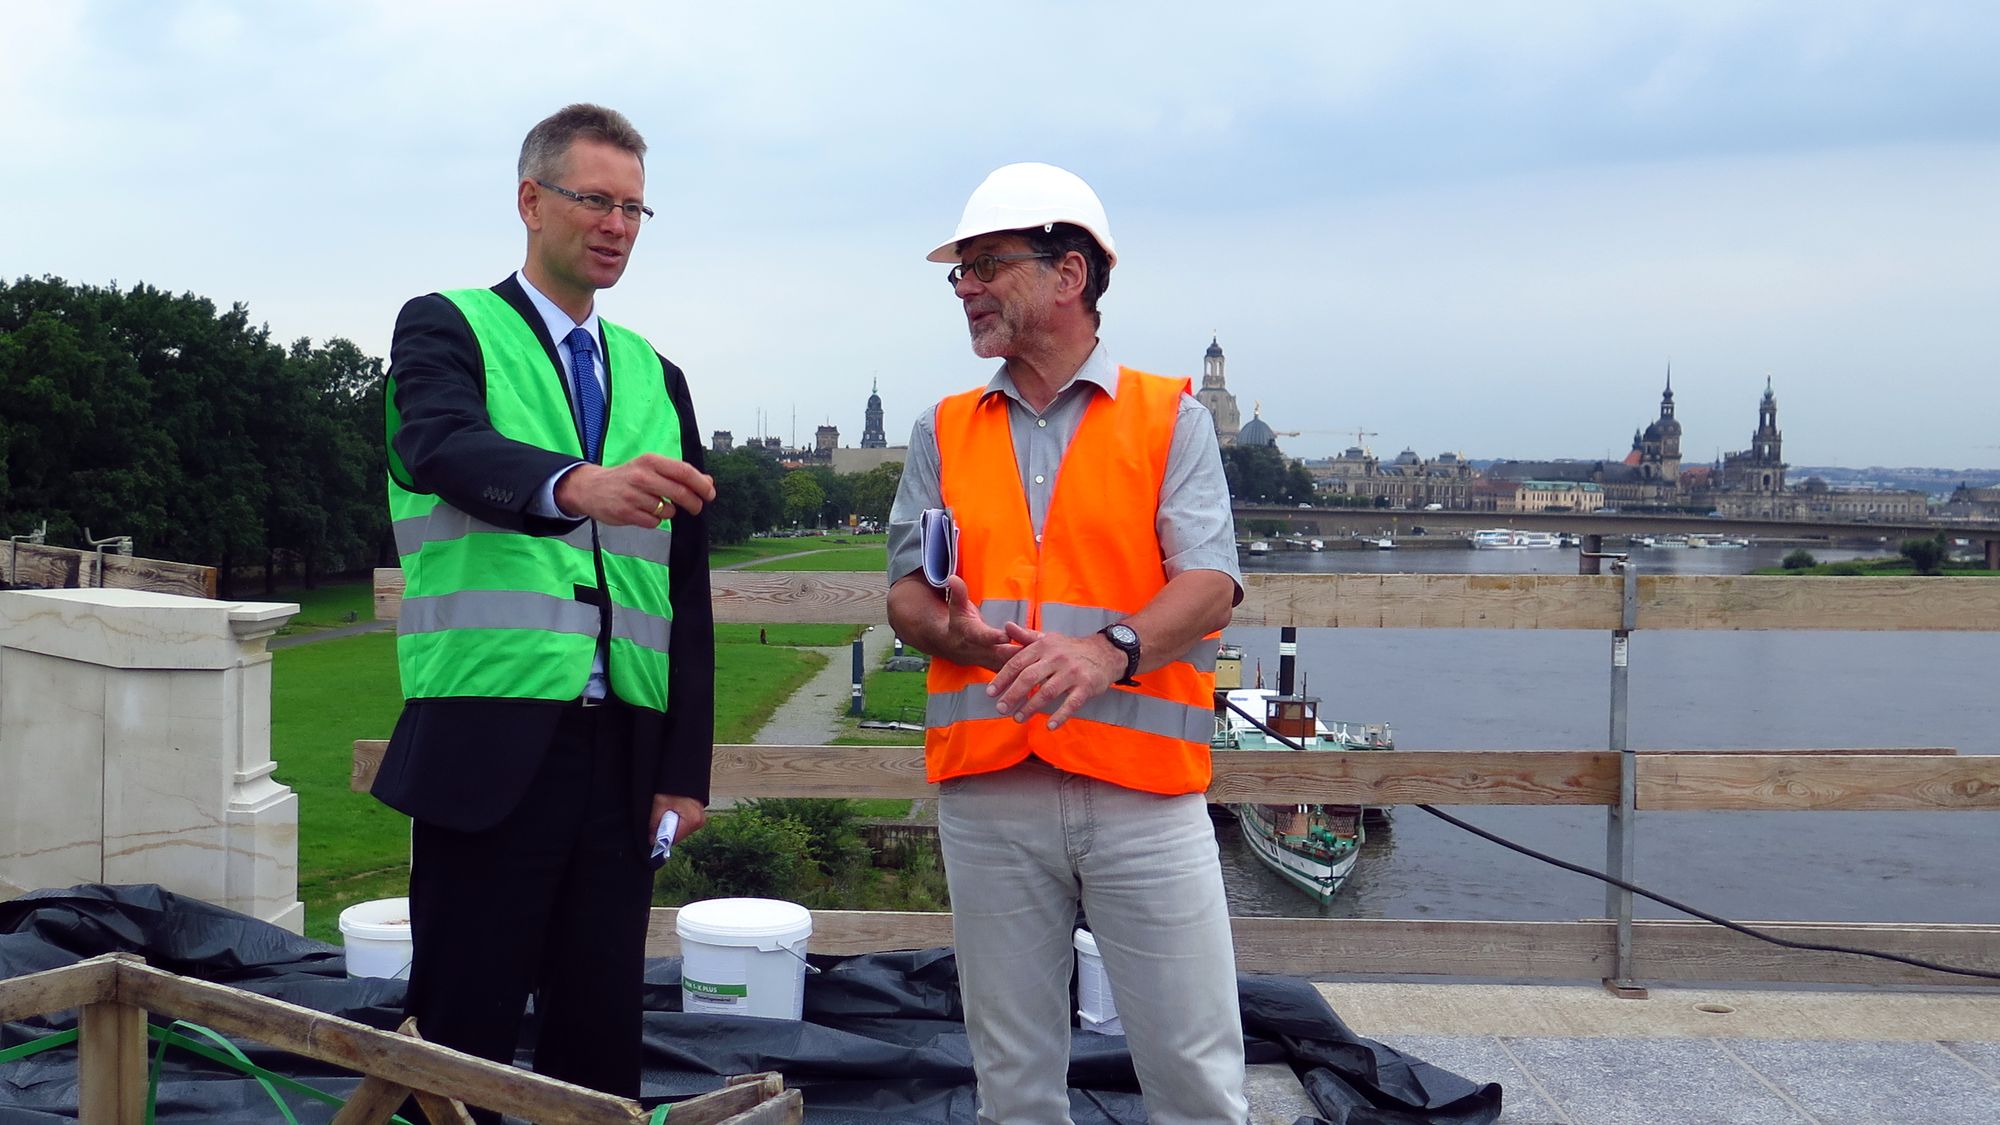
326, 695
1878, 568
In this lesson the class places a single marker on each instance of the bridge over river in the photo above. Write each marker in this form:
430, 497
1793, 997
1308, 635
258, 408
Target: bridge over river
1392, 522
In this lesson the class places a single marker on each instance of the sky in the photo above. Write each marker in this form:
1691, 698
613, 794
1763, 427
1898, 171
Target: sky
1486, 228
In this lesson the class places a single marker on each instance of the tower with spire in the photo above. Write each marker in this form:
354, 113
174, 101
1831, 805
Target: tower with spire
1760, 468
1215, 395
871, 430
1658, 446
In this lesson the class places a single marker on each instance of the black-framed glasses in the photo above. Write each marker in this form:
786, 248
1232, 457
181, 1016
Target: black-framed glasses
634, 212
986, 266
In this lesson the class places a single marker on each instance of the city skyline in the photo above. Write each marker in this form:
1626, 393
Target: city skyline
1465, 229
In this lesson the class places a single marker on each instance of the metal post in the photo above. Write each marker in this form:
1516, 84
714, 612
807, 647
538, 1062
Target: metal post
1588, 560
1993, 554
1621, 822
854, 704
1288, 658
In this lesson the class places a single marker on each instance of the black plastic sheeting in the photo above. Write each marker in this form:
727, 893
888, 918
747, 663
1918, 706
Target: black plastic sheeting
882, 1041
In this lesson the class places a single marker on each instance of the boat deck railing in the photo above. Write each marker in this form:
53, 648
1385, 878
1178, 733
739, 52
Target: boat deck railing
1615, 948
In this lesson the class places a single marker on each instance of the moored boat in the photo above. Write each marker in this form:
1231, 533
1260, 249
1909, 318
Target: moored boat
1314, 847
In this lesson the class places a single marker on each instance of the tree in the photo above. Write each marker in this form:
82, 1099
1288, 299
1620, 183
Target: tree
875, 491
1800, 559
1927, 555
747, 498
803, 498
1259, 474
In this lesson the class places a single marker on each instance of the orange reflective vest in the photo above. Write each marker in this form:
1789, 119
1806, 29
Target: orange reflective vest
1099, 561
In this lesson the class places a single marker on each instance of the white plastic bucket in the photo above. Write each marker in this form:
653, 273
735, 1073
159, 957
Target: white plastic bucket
377, 938
1095, 1010
744, 956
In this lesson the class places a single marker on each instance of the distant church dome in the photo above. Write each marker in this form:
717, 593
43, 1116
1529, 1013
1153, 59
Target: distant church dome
1214, 349
1256, 432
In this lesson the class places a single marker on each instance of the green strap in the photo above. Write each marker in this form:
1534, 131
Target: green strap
228, 1055
659, 1113
36, 1046
233, 1057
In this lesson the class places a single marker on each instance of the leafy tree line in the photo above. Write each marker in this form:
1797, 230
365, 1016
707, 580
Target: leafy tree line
754, 493
137, 412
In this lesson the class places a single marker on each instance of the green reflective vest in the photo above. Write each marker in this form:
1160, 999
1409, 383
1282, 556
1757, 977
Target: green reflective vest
493, 613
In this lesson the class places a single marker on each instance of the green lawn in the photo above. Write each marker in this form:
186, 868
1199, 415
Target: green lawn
835, 558
326, 606
326, 695
805, 635
719, 556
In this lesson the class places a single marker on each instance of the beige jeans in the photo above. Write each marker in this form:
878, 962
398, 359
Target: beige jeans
1021, 847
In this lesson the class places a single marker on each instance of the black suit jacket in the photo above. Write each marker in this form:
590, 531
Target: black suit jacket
466, 763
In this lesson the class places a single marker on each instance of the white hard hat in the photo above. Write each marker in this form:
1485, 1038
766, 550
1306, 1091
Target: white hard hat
1020, 196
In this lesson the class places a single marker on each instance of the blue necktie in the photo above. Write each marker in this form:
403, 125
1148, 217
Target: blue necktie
589, 396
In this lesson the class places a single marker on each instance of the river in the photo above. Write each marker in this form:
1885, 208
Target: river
1550, 689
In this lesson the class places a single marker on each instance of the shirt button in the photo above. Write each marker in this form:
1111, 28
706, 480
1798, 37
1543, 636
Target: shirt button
1042, 423
1038, 478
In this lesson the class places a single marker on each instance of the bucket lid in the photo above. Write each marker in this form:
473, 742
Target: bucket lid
736, 921
1085, 942
384, 919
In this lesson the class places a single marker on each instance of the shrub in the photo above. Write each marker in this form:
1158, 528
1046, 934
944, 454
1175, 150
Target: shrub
1800, 559
1927, 555
740, 854
834, 841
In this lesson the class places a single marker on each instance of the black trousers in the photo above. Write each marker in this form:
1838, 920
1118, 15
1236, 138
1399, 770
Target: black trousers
551, 902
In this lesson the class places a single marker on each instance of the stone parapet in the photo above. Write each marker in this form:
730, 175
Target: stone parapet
135, 747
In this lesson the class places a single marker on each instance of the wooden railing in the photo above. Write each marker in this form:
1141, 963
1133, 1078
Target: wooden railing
67, 568
114, 994
1736, 780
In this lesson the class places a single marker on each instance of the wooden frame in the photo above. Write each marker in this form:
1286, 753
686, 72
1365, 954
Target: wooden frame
115, 993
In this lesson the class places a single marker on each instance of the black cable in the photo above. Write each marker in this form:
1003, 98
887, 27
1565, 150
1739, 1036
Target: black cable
1716, 919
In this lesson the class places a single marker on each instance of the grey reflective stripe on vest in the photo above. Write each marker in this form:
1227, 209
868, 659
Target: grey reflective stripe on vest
517, 609
642, 629
1083, 620
648, 543
997, 612
1144, 713
496, 609
446, 523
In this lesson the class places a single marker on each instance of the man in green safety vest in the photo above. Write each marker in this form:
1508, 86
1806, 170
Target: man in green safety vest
555, 639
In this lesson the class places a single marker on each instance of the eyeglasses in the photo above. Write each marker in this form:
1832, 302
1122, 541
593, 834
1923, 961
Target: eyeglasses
634, 212
986, 266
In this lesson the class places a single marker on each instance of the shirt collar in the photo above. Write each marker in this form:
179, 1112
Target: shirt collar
1097, 369
558, 321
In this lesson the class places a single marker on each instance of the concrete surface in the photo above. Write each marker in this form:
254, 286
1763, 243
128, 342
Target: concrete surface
1579, 1056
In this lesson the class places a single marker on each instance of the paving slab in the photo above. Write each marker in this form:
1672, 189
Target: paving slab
1603, 1081
1860, 1081
1672, 1011
1481, 1058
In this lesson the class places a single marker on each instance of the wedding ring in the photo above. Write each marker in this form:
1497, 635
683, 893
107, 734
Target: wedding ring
660, 509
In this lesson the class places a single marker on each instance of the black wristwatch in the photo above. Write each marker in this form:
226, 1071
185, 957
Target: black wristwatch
1126, 640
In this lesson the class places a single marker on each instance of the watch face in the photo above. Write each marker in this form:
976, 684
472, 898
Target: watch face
1122, 635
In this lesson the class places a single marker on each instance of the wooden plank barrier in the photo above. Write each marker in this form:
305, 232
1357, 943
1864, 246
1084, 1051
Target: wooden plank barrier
1442, 601
63, 568
116, 992
1832, 779
1786, 781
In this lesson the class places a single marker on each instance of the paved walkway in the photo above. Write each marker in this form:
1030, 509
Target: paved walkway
316, 635
811, 717
1579, 1056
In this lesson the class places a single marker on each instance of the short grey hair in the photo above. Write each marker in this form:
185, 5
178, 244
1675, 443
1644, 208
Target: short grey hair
548, 143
